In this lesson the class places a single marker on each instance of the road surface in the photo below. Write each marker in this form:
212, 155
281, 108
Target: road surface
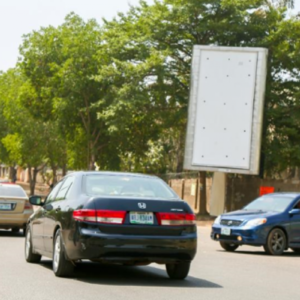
245, 274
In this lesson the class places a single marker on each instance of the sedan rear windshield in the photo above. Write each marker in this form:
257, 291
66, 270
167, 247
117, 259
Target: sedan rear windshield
270, 203
127, 186
11, 191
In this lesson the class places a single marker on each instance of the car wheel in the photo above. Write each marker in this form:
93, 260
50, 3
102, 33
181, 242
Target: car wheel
61, 266
29, 255
276, 242
229, 247
179, 270
296, 250
15, 230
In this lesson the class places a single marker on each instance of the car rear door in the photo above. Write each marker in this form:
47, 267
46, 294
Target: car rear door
37, 224
56, 213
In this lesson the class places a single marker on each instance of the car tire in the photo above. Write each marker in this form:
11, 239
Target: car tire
29, 255
15, 230
296, 250
178, 271
61, 266
228, 246
276, 242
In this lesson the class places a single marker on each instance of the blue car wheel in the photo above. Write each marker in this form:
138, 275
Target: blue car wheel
276, 242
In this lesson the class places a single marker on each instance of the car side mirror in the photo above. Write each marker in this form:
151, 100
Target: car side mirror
294, 211
36, 200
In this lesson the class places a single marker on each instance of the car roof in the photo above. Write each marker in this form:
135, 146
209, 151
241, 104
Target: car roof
286, 194
109, 173
10, 185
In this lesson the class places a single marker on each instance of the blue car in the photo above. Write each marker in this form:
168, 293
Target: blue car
271, 221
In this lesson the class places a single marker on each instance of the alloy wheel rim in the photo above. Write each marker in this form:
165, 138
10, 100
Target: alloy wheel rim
56, 257
277, 242
27, 248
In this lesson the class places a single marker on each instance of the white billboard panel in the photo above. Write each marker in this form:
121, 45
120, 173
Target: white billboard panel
226, 109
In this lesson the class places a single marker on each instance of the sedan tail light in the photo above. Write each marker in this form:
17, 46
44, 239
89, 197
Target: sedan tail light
27, 205
111, 216
85, 215
99, 216
175, 219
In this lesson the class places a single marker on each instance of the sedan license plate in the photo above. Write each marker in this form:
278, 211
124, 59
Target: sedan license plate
141, 218
4, 206
225, 231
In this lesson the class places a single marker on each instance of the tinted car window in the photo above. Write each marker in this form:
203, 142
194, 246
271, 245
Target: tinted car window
127, 186
297, 206
62, 194
52, 194
270, 203
12, 191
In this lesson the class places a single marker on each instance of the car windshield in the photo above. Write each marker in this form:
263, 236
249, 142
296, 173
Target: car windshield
270, 203
127, 186
11, 191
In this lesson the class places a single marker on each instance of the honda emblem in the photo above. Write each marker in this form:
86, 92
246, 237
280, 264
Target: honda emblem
142, 205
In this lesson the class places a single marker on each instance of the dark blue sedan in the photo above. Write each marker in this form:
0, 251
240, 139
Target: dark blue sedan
271, 221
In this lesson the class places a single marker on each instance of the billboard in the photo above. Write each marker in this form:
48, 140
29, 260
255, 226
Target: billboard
225, 113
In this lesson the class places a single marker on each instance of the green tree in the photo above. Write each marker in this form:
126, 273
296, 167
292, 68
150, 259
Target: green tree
59, 63
24, 140
4, 129
151, 48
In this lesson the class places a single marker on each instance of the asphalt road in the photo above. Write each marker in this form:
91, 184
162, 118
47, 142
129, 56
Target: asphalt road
246, 274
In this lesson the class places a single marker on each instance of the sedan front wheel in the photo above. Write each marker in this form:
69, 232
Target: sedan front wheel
29, 255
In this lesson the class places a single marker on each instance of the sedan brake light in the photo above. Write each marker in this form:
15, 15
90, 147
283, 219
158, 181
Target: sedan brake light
111, 216
175, 219
87, 215
99, 216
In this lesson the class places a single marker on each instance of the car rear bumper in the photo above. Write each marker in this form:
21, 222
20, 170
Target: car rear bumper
95, 245
14, 220
248, 236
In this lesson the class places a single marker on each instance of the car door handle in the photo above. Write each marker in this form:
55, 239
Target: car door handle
58, 209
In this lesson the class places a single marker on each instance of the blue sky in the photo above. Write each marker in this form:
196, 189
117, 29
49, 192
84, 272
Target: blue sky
18, 17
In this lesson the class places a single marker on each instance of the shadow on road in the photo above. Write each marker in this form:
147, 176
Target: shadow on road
9, 233
262, 253
94, 273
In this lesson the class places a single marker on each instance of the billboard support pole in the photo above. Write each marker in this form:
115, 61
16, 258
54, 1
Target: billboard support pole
202, 180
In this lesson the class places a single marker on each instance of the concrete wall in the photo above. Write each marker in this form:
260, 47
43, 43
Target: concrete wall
189, 190
239, 190
242, 190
